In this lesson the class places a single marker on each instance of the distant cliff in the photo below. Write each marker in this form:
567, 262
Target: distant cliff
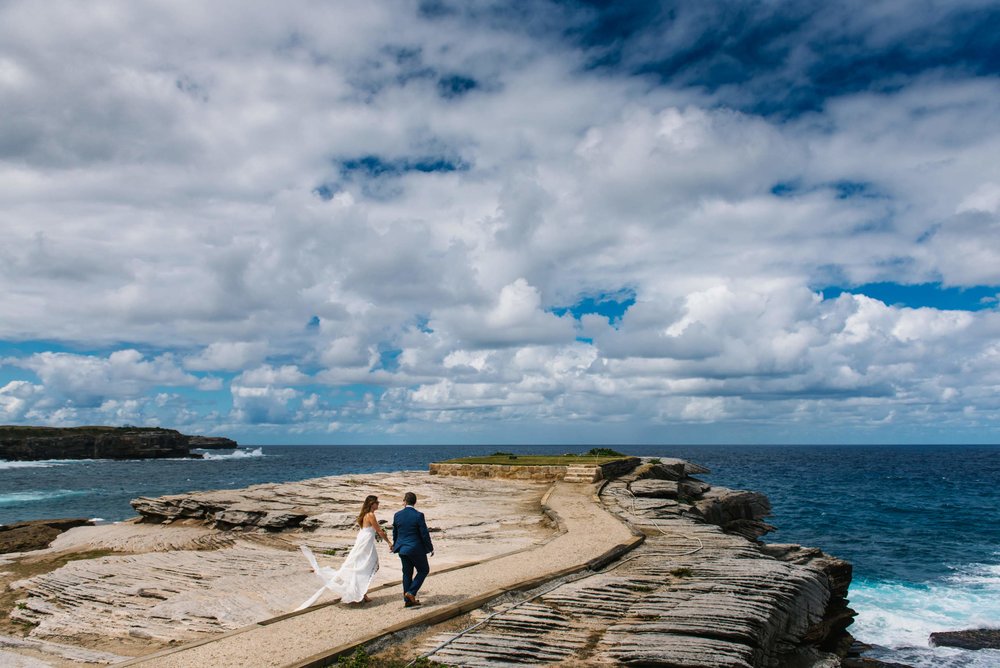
33, 443
211, 443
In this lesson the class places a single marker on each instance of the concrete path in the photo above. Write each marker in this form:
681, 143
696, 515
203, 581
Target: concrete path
305, 638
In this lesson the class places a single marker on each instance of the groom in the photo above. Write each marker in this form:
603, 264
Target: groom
412, 541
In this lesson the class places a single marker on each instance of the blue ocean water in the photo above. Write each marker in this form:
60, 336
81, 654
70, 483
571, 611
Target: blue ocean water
921, 524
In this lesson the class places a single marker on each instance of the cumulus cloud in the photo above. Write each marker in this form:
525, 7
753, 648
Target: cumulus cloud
388, 218
86, 380
227, 356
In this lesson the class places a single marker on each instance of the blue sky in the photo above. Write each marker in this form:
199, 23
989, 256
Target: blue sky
496, 222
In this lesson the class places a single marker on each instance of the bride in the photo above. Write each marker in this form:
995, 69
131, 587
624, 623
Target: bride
352, 579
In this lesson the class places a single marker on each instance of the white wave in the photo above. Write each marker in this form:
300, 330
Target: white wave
236, 454
30, 497
4, 464
901, 616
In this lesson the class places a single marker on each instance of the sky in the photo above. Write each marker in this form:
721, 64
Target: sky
503, 222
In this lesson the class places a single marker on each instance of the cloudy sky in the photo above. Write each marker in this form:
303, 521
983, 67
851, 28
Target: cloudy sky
503, 222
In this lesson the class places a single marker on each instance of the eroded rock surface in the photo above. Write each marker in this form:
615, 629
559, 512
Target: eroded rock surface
970, 639
200, 575
692, 595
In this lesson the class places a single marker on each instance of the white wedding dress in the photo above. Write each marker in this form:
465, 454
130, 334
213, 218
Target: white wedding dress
355, 575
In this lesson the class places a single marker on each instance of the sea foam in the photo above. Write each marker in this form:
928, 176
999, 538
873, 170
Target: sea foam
4, 464
901, 616
18, 498
236, 454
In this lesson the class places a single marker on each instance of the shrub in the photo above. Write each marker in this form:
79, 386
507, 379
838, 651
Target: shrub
603, 452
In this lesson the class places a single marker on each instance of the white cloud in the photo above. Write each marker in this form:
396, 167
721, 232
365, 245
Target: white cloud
86, 380
227, 356
17, 397
289, 198
268, 405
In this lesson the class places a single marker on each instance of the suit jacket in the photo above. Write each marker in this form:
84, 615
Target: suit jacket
409, 533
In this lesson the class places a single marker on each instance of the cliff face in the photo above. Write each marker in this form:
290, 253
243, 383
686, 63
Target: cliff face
33, 443
212, 443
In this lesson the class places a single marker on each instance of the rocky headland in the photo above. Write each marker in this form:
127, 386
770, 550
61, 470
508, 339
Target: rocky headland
700, 589
19, 443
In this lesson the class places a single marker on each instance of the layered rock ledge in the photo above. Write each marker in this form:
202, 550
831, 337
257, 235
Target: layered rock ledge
699, 592
136, 587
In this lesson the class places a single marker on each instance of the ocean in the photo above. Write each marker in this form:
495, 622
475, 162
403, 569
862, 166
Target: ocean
921, 524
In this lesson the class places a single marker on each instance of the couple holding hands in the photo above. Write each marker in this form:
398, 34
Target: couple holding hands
410, 540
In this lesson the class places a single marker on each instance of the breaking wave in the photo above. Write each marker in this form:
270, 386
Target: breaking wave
236, 454
899, 617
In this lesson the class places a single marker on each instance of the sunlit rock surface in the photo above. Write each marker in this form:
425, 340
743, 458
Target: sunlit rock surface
217, 567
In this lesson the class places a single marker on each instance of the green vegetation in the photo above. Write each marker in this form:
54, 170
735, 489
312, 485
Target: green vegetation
604, 452
681, 572
537, 460
361, 659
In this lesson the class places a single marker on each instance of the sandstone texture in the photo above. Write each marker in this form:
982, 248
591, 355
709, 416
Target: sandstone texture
134, 587
693, 594
700, 591
570, 473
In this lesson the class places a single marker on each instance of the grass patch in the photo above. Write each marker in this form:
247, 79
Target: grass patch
681, 572
537, 460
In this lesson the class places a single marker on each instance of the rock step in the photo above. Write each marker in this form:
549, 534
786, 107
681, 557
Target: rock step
578, 473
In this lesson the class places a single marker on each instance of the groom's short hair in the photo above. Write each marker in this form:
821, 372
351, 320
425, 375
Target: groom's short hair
410, 499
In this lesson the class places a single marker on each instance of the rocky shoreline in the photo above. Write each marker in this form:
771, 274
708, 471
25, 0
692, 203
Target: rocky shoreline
19, 443
700, 590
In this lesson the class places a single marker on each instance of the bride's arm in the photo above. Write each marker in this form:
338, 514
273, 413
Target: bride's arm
374, 524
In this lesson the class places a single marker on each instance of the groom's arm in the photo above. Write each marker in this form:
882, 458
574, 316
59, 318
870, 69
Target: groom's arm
425, 535
395, 530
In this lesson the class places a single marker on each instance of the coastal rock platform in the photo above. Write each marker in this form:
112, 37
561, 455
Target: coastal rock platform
136, 587
543, 579
690, 595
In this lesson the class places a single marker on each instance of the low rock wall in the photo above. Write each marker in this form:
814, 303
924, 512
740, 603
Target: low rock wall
512, 471
521, 472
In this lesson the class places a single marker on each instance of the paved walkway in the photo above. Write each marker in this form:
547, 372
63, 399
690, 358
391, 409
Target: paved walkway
296, 640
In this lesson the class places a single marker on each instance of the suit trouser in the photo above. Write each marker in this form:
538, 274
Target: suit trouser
411, 585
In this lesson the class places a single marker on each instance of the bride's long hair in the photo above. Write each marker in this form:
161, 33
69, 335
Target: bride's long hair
366, 508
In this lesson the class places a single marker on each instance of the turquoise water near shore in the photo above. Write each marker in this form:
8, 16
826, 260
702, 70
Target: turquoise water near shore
921, 524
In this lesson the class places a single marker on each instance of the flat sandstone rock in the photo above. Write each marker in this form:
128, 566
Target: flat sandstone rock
151, 584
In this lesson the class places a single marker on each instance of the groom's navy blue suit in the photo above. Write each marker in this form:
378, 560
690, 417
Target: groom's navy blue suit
412, 541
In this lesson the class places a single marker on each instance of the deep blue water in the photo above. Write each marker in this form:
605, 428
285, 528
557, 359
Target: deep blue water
921, 524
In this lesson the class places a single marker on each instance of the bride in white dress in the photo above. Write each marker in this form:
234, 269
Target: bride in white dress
351, 581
